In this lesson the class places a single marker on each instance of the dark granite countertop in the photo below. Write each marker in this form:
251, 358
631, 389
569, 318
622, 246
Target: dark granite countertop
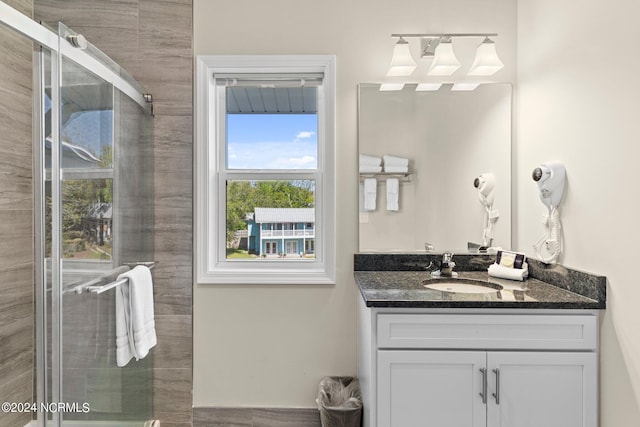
399, 283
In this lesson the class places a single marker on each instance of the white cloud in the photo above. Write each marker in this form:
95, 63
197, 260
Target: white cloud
304, 160
305, 134
274, 155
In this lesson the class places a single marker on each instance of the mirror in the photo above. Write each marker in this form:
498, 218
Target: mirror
450, 138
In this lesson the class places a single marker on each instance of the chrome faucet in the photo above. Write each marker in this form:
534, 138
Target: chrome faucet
446, 266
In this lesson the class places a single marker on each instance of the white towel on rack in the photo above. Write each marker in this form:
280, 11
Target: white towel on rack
396, 169
395, 161
393, 189
370, 193
135, 325
370, 169
367, 160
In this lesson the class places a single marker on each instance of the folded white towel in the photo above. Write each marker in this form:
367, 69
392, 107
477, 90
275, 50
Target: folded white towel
496, 270
395, 161
393, 189
370, 169
135, 325
370, 193
368, 160
396, 169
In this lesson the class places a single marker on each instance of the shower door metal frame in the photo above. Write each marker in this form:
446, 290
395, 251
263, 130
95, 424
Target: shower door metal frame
26, 26
41, 312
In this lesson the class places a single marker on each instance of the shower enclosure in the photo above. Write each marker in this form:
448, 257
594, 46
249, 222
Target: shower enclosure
93, 219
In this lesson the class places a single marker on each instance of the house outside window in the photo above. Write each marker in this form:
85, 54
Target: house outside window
265, 173
290, 226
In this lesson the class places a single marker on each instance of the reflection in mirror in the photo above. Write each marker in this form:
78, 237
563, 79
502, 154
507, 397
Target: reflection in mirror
450, 138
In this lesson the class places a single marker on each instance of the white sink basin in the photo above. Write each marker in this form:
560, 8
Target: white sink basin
461, 286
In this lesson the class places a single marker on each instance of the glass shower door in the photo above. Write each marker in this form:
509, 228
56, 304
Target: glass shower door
98, 192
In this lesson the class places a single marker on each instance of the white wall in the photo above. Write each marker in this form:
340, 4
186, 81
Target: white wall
270, 345
579, 102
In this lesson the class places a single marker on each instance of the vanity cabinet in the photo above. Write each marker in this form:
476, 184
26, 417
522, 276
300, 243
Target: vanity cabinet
478, 389
478, 368
430, 388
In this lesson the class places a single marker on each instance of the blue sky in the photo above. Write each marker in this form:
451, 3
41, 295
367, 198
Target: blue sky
272, 141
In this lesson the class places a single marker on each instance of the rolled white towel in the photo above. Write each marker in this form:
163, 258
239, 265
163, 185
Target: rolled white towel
396, 169
496, 270
370, 169
395, 161
366, 159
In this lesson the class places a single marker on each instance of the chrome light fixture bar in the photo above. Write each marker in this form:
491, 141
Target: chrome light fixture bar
445, 62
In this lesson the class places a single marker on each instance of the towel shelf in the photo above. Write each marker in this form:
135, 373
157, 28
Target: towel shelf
403, 177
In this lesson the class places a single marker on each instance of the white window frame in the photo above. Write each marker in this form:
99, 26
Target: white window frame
211, 264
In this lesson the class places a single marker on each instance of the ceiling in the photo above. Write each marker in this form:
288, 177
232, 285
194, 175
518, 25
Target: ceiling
271, 100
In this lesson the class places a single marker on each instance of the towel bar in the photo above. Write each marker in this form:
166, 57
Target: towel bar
403, 177
99, 282
103, 288
98, 289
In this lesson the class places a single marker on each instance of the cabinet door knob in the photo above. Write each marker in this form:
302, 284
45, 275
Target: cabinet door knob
496, 395
483, 394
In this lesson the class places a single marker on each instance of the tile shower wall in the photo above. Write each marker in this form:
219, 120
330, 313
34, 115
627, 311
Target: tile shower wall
16, 213
152, 40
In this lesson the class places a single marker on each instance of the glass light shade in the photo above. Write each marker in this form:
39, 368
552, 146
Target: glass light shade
424, 87
486, 62
444, 62
402, 63
385, 87
461, 87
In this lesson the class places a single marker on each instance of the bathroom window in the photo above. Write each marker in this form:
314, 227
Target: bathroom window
265, 174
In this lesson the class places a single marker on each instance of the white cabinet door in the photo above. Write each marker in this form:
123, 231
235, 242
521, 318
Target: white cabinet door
430, 388
529, 389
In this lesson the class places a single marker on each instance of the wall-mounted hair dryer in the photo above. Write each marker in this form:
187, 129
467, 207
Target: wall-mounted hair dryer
486, 183
550, 177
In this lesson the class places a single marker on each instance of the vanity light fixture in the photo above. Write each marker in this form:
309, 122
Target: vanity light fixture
445, 63
402, 63
486, 62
